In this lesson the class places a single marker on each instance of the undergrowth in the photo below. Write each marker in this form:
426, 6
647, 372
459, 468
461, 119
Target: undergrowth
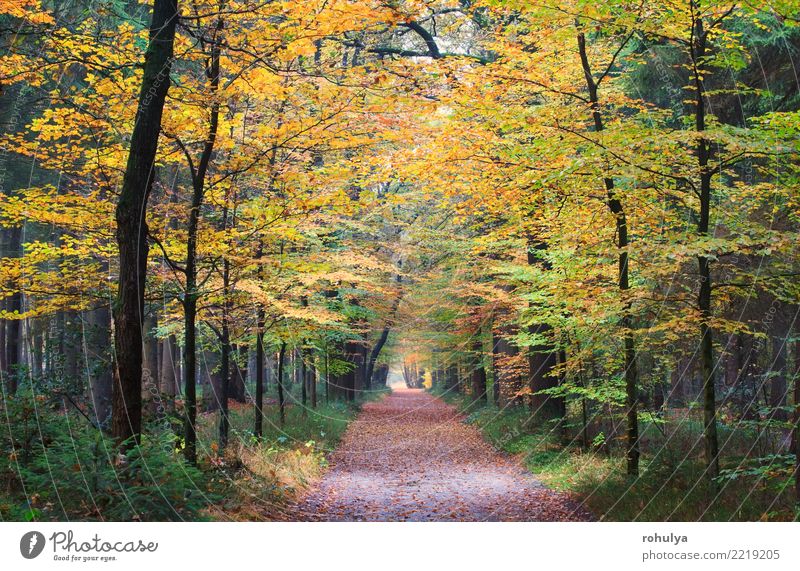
56, 466
671, 486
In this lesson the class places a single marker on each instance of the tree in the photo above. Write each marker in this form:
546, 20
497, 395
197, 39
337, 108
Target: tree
126, 421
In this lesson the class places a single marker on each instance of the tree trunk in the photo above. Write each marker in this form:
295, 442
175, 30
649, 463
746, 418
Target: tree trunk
150, 355
192, 295
311, 373
190, 365
281, 402
301, 375
259, 420
620, 217
101, 379
478, 370
703, 153
796, 429
131, 212
374, 354
778, 387
170, 380
225, 356
237, 389
13, 335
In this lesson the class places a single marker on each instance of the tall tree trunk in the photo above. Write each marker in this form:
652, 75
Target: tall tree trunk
237, 389
281, 401
497, 393
260, 323
150, 368
778, 387
126, 421
192, 294
626, 323
327, 376
478, 370
312, 380
13, 336
796, 428
301, 371
170, 379
382, 339
259, 420
2, 339
703, 152
225, 356
190, 365
374, 354
101, 380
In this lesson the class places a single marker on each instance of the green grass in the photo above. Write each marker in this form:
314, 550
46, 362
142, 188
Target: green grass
671, 485
55, 466
260, 475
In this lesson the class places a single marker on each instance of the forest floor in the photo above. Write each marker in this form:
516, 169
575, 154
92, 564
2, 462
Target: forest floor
411, 457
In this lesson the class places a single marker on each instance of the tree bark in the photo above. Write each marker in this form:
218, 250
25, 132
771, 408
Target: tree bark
796, 428
312, 382
374, 354
620, 217
101, 380
13, 336
225, 357
778, 387
126, 421
170, 379
281, 401
697, 50
259, 419
478, 370
192, 294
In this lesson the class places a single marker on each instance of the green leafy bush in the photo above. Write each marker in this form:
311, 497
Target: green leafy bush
57, 466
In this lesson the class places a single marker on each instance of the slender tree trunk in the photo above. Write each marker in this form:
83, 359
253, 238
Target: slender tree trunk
312, 381
259, 421
497, 393
478, 370
703, 153
190, 366
778, 387
13, 334
131, 212
170, 379
2, 338
375, 353
192, 294
301, 371
796, 429
327, 377
225, 342
626, 323
281, 402
101, 380
150, 355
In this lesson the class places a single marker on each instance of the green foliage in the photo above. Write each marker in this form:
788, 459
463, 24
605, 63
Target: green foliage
672, 485
56, 466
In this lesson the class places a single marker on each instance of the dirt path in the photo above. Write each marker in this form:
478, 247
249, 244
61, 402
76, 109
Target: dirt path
409, 457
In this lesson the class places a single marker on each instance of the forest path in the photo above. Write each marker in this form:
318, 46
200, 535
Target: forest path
409, 457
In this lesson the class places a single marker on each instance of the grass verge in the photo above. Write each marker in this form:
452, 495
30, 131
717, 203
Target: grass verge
671, 485
56, 466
